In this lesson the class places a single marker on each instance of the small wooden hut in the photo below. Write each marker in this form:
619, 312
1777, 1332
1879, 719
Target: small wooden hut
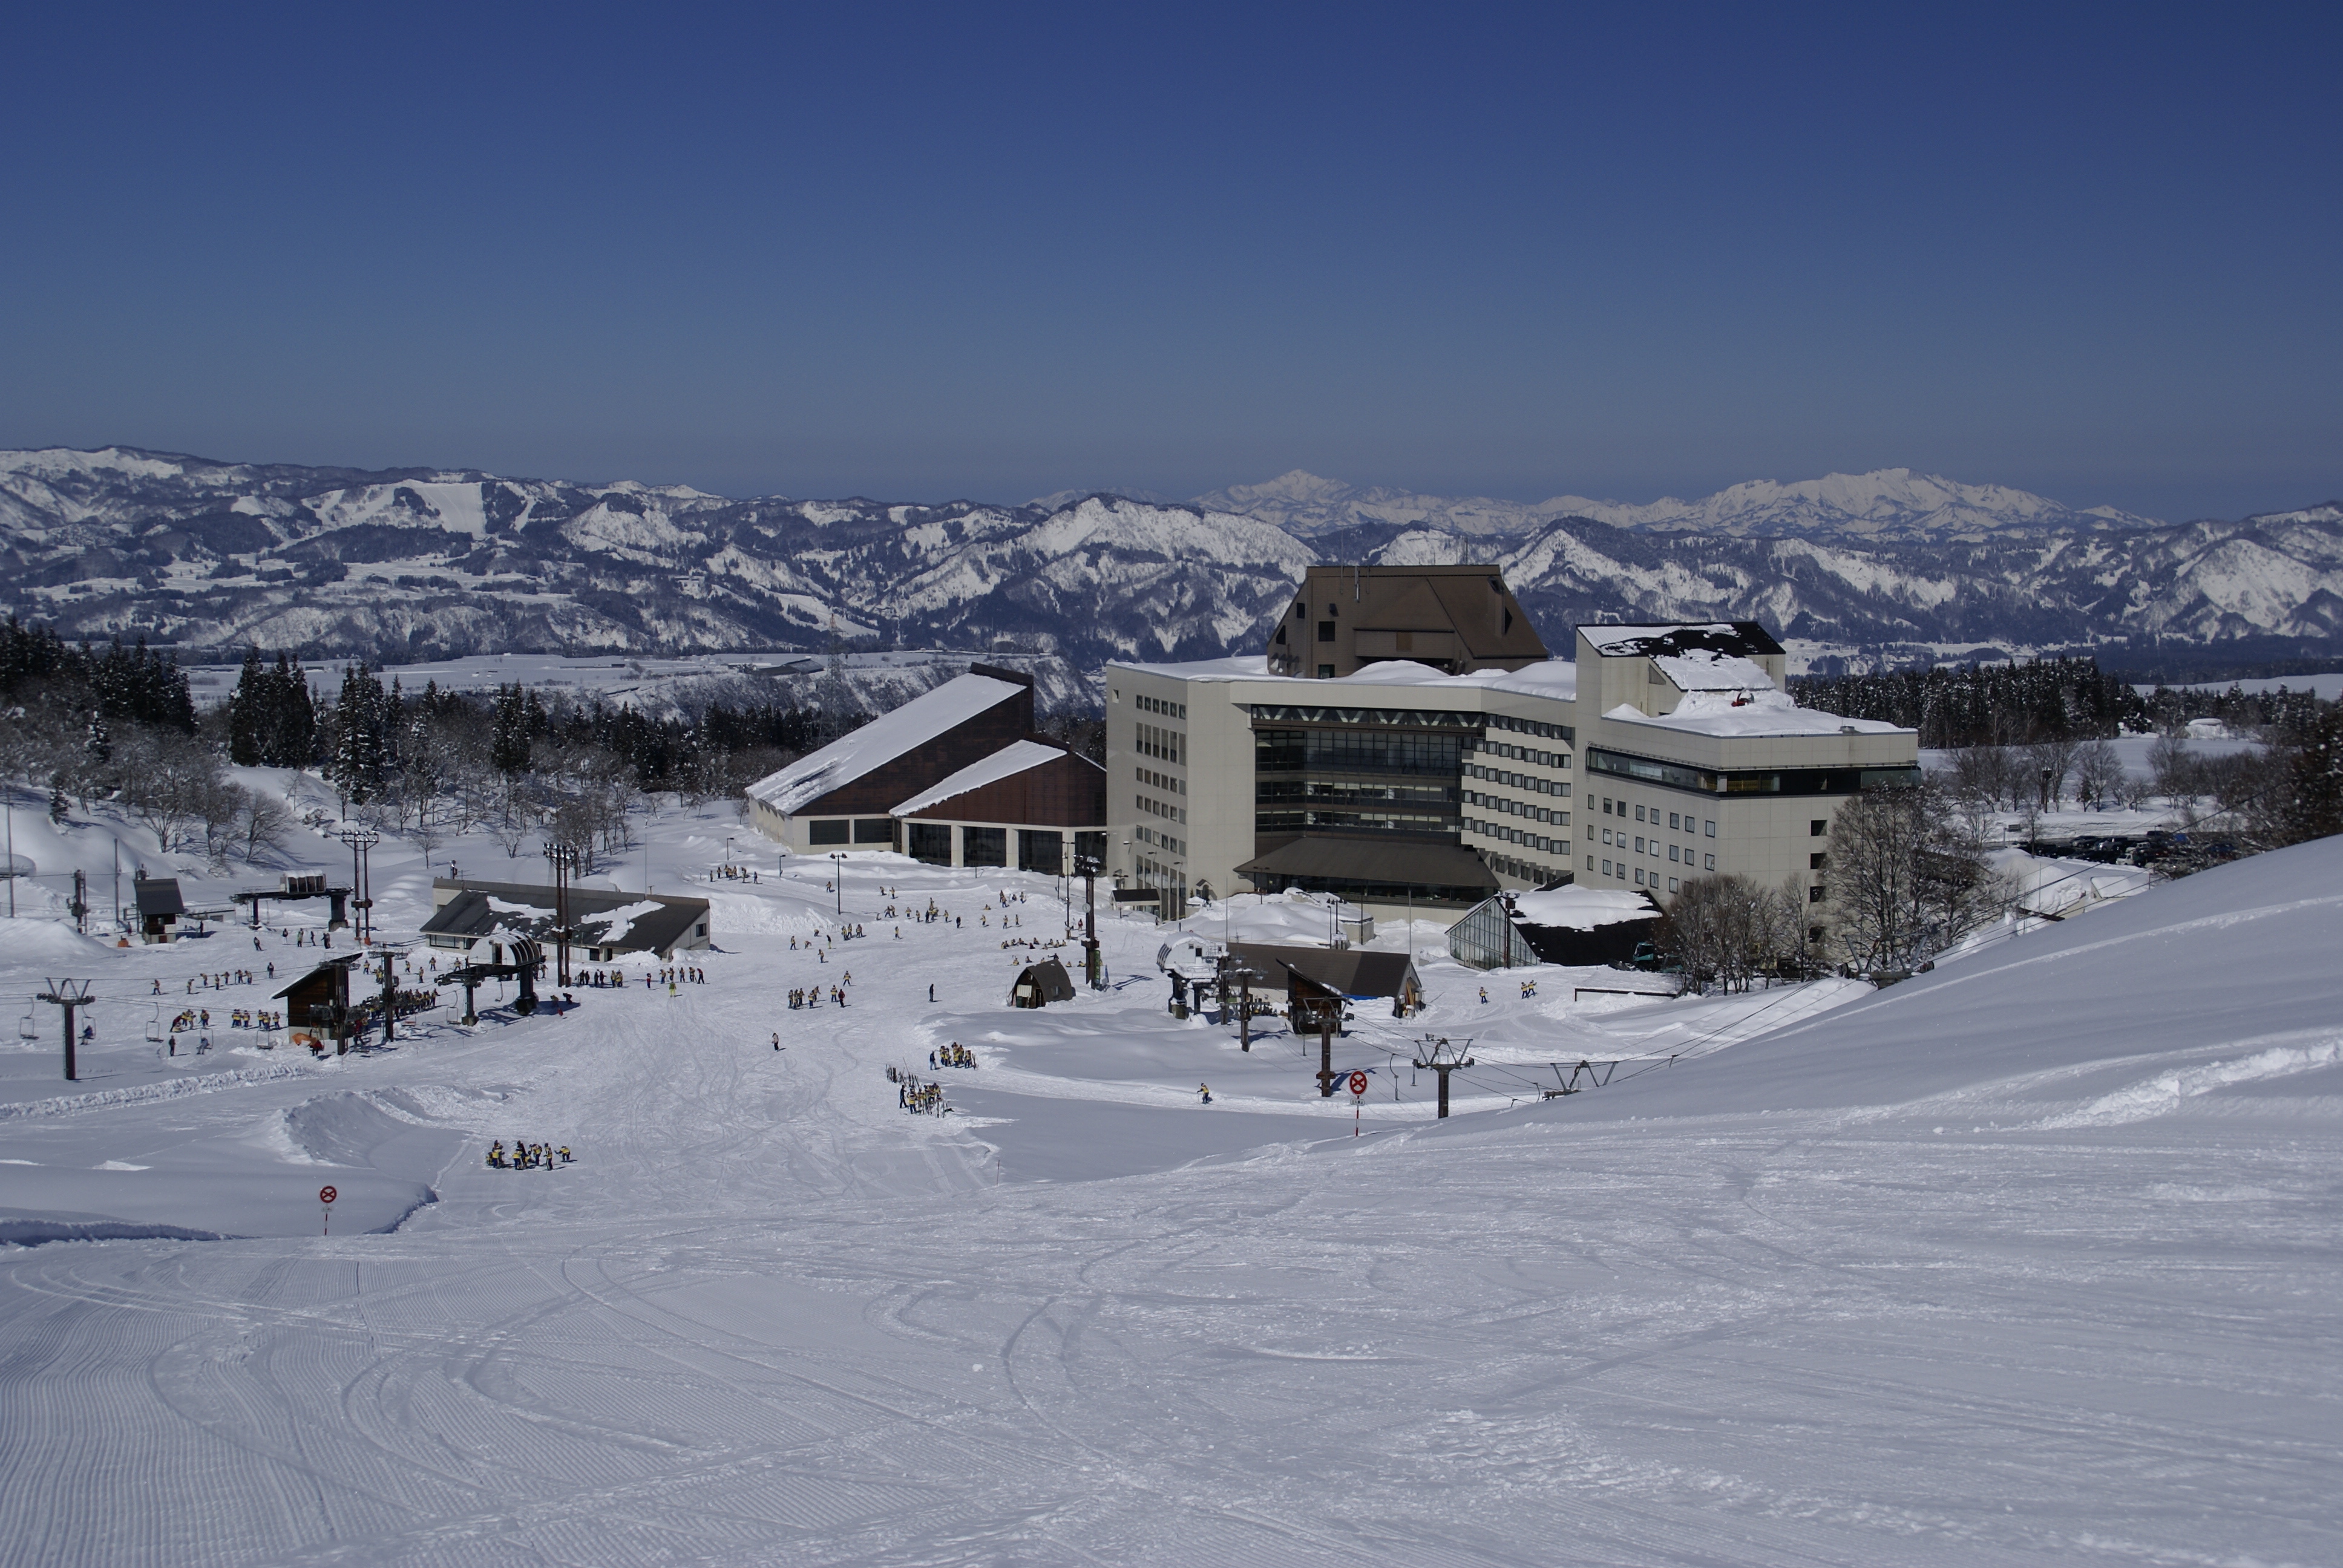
1039, 985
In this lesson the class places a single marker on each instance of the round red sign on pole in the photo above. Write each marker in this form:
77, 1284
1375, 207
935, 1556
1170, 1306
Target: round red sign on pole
327, 1194
1358, 1083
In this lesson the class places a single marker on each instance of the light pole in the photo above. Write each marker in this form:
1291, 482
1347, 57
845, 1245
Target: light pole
361, 841
564, 858
1091, 969
838, 881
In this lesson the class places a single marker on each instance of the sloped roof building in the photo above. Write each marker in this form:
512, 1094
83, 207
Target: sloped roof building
604, 925
955, 776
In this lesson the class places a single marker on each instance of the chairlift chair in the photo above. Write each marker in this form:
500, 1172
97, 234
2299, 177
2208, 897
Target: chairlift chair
155, 1027
25, 1028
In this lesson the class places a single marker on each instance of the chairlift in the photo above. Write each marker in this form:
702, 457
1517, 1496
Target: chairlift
155, 1027
25, 1028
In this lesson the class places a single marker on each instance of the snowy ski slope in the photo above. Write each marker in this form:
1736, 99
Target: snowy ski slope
2032, 1259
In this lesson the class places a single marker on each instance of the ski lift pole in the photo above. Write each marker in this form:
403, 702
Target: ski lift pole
69, 995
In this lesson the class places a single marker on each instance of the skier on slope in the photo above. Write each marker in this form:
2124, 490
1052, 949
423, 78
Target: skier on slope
1204, 1093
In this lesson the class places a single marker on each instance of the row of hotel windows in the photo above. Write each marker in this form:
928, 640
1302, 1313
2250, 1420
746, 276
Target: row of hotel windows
1651, 846
1687, 818
1157, 705
1163, 781
1515, 809
1158, 809
1167, 744
1518, 780
1165, 841
1526, 839
1652, 881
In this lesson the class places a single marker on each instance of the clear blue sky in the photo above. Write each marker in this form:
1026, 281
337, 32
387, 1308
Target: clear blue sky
920, 253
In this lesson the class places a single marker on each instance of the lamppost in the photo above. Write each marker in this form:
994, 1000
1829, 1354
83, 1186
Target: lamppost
1088, 868
838, 881
566, 859
361, 841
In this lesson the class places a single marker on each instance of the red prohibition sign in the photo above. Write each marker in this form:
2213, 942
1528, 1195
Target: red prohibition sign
1358, 1083
327, 1194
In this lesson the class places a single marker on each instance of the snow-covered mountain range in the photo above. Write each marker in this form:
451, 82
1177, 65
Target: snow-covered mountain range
1887, 505
418, 563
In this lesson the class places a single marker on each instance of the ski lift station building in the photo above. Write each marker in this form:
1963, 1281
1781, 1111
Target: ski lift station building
160, 906
604, 925
1406, 737
955, 776
1566, 925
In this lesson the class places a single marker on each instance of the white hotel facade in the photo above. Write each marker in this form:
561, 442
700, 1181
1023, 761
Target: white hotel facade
1654, 754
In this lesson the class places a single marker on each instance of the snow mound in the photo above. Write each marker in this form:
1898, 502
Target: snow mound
30, 942
2158, 1003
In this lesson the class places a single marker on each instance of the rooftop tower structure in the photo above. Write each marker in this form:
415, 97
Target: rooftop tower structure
1455, 619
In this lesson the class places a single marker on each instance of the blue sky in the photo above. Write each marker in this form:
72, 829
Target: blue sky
920, 253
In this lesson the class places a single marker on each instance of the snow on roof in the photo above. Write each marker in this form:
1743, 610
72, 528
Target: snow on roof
1550, 677
1245, 667
1765, 712
506, 906
1007, 763
1705, 669
880, 741
1745, 638
1583, 908
618, 923
1556, 678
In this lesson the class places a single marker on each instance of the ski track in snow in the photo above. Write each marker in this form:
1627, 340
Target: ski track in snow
767, 1317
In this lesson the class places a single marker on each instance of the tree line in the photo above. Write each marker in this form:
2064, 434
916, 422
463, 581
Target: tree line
1984, 704
2069, 699
118, 725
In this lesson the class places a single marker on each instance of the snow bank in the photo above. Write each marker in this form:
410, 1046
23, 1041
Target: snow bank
2140, 1005
31, 941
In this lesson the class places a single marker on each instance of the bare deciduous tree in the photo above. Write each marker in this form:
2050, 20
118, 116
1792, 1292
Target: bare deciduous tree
2098, 771
262, 825
1907, 879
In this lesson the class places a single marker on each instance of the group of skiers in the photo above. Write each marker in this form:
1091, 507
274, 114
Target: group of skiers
526, 1156
917, 1097
220, 982
953, 1055
733, 874
811, 996
611, 980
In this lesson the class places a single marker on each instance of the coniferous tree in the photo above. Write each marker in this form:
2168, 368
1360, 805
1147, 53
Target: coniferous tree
508, 744
291, 730
249, 711
361, 753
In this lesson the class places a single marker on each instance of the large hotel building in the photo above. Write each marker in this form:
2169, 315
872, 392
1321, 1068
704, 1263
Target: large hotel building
1406, 738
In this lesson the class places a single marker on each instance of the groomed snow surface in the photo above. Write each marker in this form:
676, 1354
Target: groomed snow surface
2032, 1258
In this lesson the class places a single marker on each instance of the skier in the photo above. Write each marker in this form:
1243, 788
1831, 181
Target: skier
1204, 1093
777, 1039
